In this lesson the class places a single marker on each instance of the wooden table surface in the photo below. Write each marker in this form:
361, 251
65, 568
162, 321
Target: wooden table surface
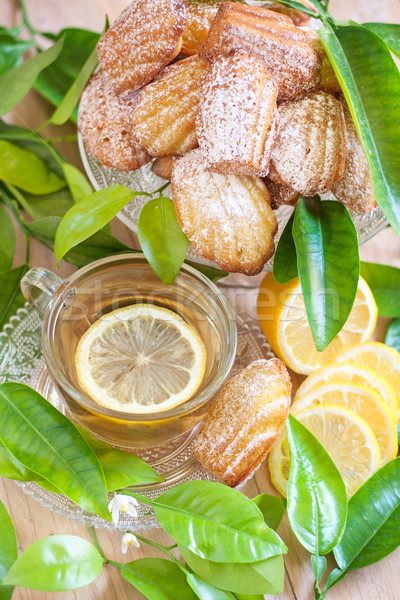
32, 521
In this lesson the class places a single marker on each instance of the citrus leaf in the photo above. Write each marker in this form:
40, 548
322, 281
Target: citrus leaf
370, 81
89, 216
11, 50
46, 442
77, 182
393, 335
11, 468
16, 83
373, 521
216, 522
328, 263
7, 240
162, 240
206, 591
384, 282
56, 563
158, 579
389, 33
272, 508
319, 567
316, 494
8, 550
11, 298
262, 577
285, 259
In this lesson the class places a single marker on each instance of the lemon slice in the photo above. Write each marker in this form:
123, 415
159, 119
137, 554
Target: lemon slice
366, 403
283, 318
140, 359
348, 439
382, 359
348, 372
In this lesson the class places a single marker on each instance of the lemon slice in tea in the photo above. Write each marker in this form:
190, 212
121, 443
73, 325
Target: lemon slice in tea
140, 359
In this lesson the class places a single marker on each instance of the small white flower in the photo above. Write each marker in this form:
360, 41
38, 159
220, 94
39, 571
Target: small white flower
122, 504
129, 540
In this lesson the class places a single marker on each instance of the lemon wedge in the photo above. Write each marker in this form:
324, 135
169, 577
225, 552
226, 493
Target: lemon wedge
348, 439
366, 403
382, 359
140, 359
283, 318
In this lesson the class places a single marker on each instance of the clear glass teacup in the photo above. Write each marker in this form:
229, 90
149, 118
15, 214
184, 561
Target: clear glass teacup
71, 306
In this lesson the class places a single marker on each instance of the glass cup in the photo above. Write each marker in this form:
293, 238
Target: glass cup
71, 306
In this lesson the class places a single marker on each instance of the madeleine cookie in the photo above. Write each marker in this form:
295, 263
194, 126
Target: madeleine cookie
143, 39
329, 82
103, 121
245, 421
227, 218
310, 150
164, 116
162, 167
286, 50
354, 189
299, 18
281, 194
237, 122
199, 17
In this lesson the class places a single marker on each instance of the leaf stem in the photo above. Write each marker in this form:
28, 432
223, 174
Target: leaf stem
96, 541
114, 564
21, 200
28, 24
164, 549
160, 189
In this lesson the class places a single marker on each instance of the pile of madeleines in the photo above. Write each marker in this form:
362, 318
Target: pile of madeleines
249, 116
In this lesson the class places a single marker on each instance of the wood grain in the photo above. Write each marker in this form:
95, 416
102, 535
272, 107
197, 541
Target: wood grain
34, 521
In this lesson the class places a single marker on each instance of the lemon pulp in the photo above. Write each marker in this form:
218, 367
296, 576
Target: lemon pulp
140, 359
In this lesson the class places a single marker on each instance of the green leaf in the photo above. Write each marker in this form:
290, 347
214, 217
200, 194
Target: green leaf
328, 264
7, 240
249, 597
51, 205
11, 50
78, 184
373, 521
162, 240
54, 82
216, 522
384, 282
206, 591
393, 335
297, 6
334, 577
319, 567
56, 563
27, 171
16, 83
121, 469
158, 579
11, 468
285, 259
370, 81
89, 216
211, 272
11, 298
46, 442
272, 508
317, 501
8, 550
98, 245
389, 33
262, 577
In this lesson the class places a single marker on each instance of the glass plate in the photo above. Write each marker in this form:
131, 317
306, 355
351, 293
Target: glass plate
145, 180
21, 361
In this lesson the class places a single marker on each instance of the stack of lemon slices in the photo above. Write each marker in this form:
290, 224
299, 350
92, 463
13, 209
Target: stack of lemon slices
350, 401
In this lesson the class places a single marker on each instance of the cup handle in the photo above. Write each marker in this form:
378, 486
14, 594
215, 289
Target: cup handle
38, 286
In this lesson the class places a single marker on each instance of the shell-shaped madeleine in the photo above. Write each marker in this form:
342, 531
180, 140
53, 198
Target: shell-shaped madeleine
103, 121
245, 421
143, 39
237, 122
227, 218
281, 194
286, 49
164, 117
310, 150
355, 189
199, 17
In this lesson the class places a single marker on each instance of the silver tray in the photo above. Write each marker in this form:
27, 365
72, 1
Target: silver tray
21, 361
145, 180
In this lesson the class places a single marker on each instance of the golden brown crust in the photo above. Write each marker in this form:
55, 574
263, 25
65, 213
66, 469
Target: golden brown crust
227, 218
310, 150
245, 421
143, 39
287, 50
163, 118
354, 189
162, 167
237, 122
199, 17
281, 194
329, 81
103, 122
